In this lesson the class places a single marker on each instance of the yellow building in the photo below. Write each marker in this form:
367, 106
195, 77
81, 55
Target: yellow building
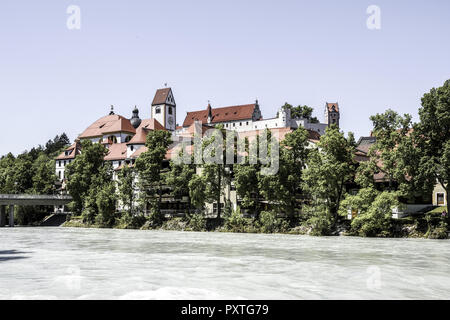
439, 195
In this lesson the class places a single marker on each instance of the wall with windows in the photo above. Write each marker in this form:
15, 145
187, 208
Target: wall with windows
61, 167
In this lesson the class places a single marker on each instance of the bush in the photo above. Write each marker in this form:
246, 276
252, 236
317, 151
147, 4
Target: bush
320, 220
436, 232
156, 218
269, 223
28, 215
236, 222
197, 222
376, 220
128, 221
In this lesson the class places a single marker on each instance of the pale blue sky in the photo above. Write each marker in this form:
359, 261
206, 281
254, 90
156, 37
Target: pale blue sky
230, 52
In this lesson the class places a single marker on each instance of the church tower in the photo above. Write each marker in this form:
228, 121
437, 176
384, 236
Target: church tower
164, 108
332, 114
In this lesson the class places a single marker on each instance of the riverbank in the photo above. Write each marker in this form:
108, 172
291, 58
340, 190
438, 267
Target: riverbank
410, 227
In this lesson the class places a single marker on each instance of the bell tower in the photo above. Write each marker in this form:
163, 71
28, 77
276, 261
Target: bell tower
164, 108
332, 113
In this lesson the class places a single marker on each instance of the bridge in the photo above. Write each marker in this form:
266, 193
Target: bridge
12, 200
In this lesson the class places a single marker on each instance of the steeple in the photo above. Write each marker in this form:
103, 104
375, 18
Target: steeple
135, 121
209, 109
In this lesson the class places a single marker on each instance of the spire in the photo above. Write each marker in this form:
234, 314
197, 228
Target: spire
135, 121
112, 110
209, 112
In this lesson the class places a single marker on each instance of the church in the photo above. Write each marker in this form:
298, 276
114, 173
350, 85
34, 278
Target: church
125, 137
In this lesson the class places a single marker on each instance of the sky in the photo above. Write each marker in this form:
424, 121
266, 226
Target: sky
54, 79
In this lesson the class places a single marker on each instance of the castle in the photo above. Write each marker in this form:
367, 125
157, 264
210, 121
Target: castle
125, 137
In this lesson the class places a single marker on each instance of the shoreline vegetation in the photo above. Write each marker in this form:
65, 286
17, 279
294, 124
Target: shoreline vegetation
317, 184
426, 226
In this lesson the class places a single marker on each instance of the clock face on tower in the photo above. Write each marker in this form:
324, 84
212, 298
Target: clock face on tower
170, 121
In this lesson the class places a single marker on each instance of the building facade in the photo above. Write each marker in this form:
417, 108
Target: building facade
125, 138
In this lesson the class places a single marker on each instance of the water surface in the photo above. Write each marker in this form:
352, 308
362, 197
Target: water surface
76, 263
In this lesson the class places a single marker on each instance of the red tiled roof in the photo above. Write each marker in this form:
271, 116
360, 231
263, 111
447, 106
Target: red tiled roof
151, 124
74, 150
330, 106
117, 151
222, 114
138, 152
169, 154
140, 136
108, 124
142, 131
161, 96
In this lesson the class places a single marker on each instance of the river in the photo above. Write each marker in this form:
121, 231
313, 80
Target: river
78, 263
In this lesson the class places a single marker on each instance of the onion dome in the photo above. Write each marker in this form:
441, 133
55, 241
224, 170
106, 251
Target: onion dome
135, 121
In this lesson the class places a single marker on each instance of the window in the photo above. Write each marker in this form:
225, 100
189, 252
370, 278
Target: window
240, 124
59, 174
64, 162
112, 139
157, 110
170, 110
440, 199
234, 124
59, 163
127, 139
247, 123
132, 148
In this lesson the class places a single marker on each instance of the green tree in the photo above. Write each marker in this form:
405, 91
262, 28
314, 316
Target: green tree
301, 112
150, 167
374, 217
126, 188
246, 179
285, 187
96, 200
391, 132
83, 171
44, 175
57, 144
105, 200
330, 167
197, 191
7, 173
432, 138
216, 174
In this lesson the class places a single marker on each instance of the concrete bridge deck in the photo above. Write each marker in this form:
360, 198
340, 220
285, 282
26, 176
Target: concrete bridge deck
12, 200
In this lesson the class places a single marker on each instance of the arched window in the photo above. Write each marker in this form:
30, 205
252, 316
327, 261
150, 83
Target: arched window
112, 139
